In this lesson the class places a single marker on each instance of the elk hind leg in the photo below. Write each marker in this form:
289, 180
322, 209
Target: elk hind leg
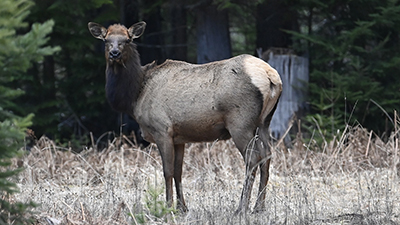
244, 141
265, 153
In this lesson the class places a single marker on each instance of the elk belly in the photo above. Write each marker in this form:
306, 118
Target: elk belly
199, 131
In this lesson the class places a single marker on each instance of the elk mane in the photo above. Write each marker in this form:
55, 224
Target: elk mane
124, 81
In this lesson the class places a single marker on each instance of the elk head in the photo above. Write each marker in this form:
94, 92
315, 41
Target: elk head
118, 39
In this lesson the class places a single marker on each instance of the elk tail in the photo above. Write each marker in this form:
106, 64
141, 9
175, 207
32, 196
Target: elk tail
268, 82
271, 96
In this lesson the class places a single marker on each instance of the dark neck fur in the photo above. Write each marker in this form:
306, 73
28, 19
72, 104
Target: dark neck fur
124, 81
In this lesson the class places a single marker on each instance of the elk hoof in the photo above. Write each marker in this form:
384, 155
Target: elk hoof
240, 211
182, 208
258, 210
259, 207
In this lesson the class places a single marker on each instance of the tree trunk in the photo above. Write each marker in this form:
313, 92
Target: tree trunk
294, 74
213, 40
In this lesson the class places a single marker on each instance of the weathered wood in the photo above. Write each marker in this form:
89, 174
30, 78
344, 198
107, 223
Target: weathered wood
294, 73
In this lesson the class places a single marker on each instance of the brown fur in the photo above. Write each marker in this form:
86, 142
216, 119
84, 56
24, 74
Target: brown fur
177, 102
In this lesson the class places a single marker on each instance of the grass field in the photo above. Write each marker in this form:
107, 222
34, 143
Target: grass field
352, 179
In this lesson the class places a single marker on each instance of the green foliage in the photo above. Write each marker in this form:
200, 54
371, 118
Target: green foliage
17, 53
354, 53
21, 49
156, 208
12, 136
353, 48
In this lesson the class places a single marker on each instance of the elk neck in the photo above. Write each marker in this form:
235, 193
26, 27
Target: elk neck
124, 81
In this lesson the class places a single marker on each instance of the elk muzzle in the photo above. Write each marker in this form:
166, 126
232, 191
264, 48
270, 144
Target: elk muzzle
114, 54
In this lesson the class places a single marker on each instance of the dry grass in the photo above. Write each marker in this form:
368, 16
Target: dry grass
353, 180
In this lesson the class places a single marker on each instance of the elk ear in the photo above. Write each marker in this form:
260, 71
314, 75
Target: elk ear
97, 30
136, 30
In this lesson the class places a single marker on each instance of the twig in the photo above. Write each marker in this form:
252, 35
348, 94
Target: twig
97, 173
101, 136
396, 142
67, 205
286, 132
369, 142
320, 131
133, 216
383, 110
138, 150
92, 140
83, 212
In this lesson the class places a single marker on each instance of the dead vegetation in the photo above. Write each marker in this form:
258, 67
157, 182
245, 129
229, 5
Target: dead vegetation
352, 179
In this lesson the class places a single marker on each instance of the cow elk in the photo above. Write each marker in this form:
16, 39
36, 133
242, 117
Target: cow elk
178, 102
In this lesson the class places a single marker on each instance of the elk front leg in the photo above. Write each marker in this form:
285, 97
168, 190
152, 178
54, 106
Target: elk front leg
179, 153
167, 152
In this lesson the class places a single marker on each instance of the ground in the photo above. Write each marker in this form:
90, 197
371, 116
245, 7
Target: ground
350, 181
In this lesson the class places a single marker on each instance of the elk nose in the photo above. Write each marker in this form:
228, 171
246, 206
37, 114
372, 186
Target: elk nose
114, 54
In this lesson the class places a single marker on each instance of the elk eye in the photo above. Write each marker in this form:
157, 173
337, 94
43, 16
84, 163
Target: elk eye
128, 41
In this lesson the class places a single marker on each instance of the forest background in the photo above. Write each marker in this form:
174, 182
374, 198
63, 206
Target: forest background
352, 46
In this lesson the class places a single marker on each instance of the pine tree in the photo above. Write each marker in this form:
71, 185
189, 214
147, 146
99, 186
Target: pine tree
354, 52
17, 52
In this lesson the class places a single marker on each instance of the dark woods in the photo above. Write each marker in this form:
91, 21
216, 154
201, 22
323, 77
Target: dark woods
351, 46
